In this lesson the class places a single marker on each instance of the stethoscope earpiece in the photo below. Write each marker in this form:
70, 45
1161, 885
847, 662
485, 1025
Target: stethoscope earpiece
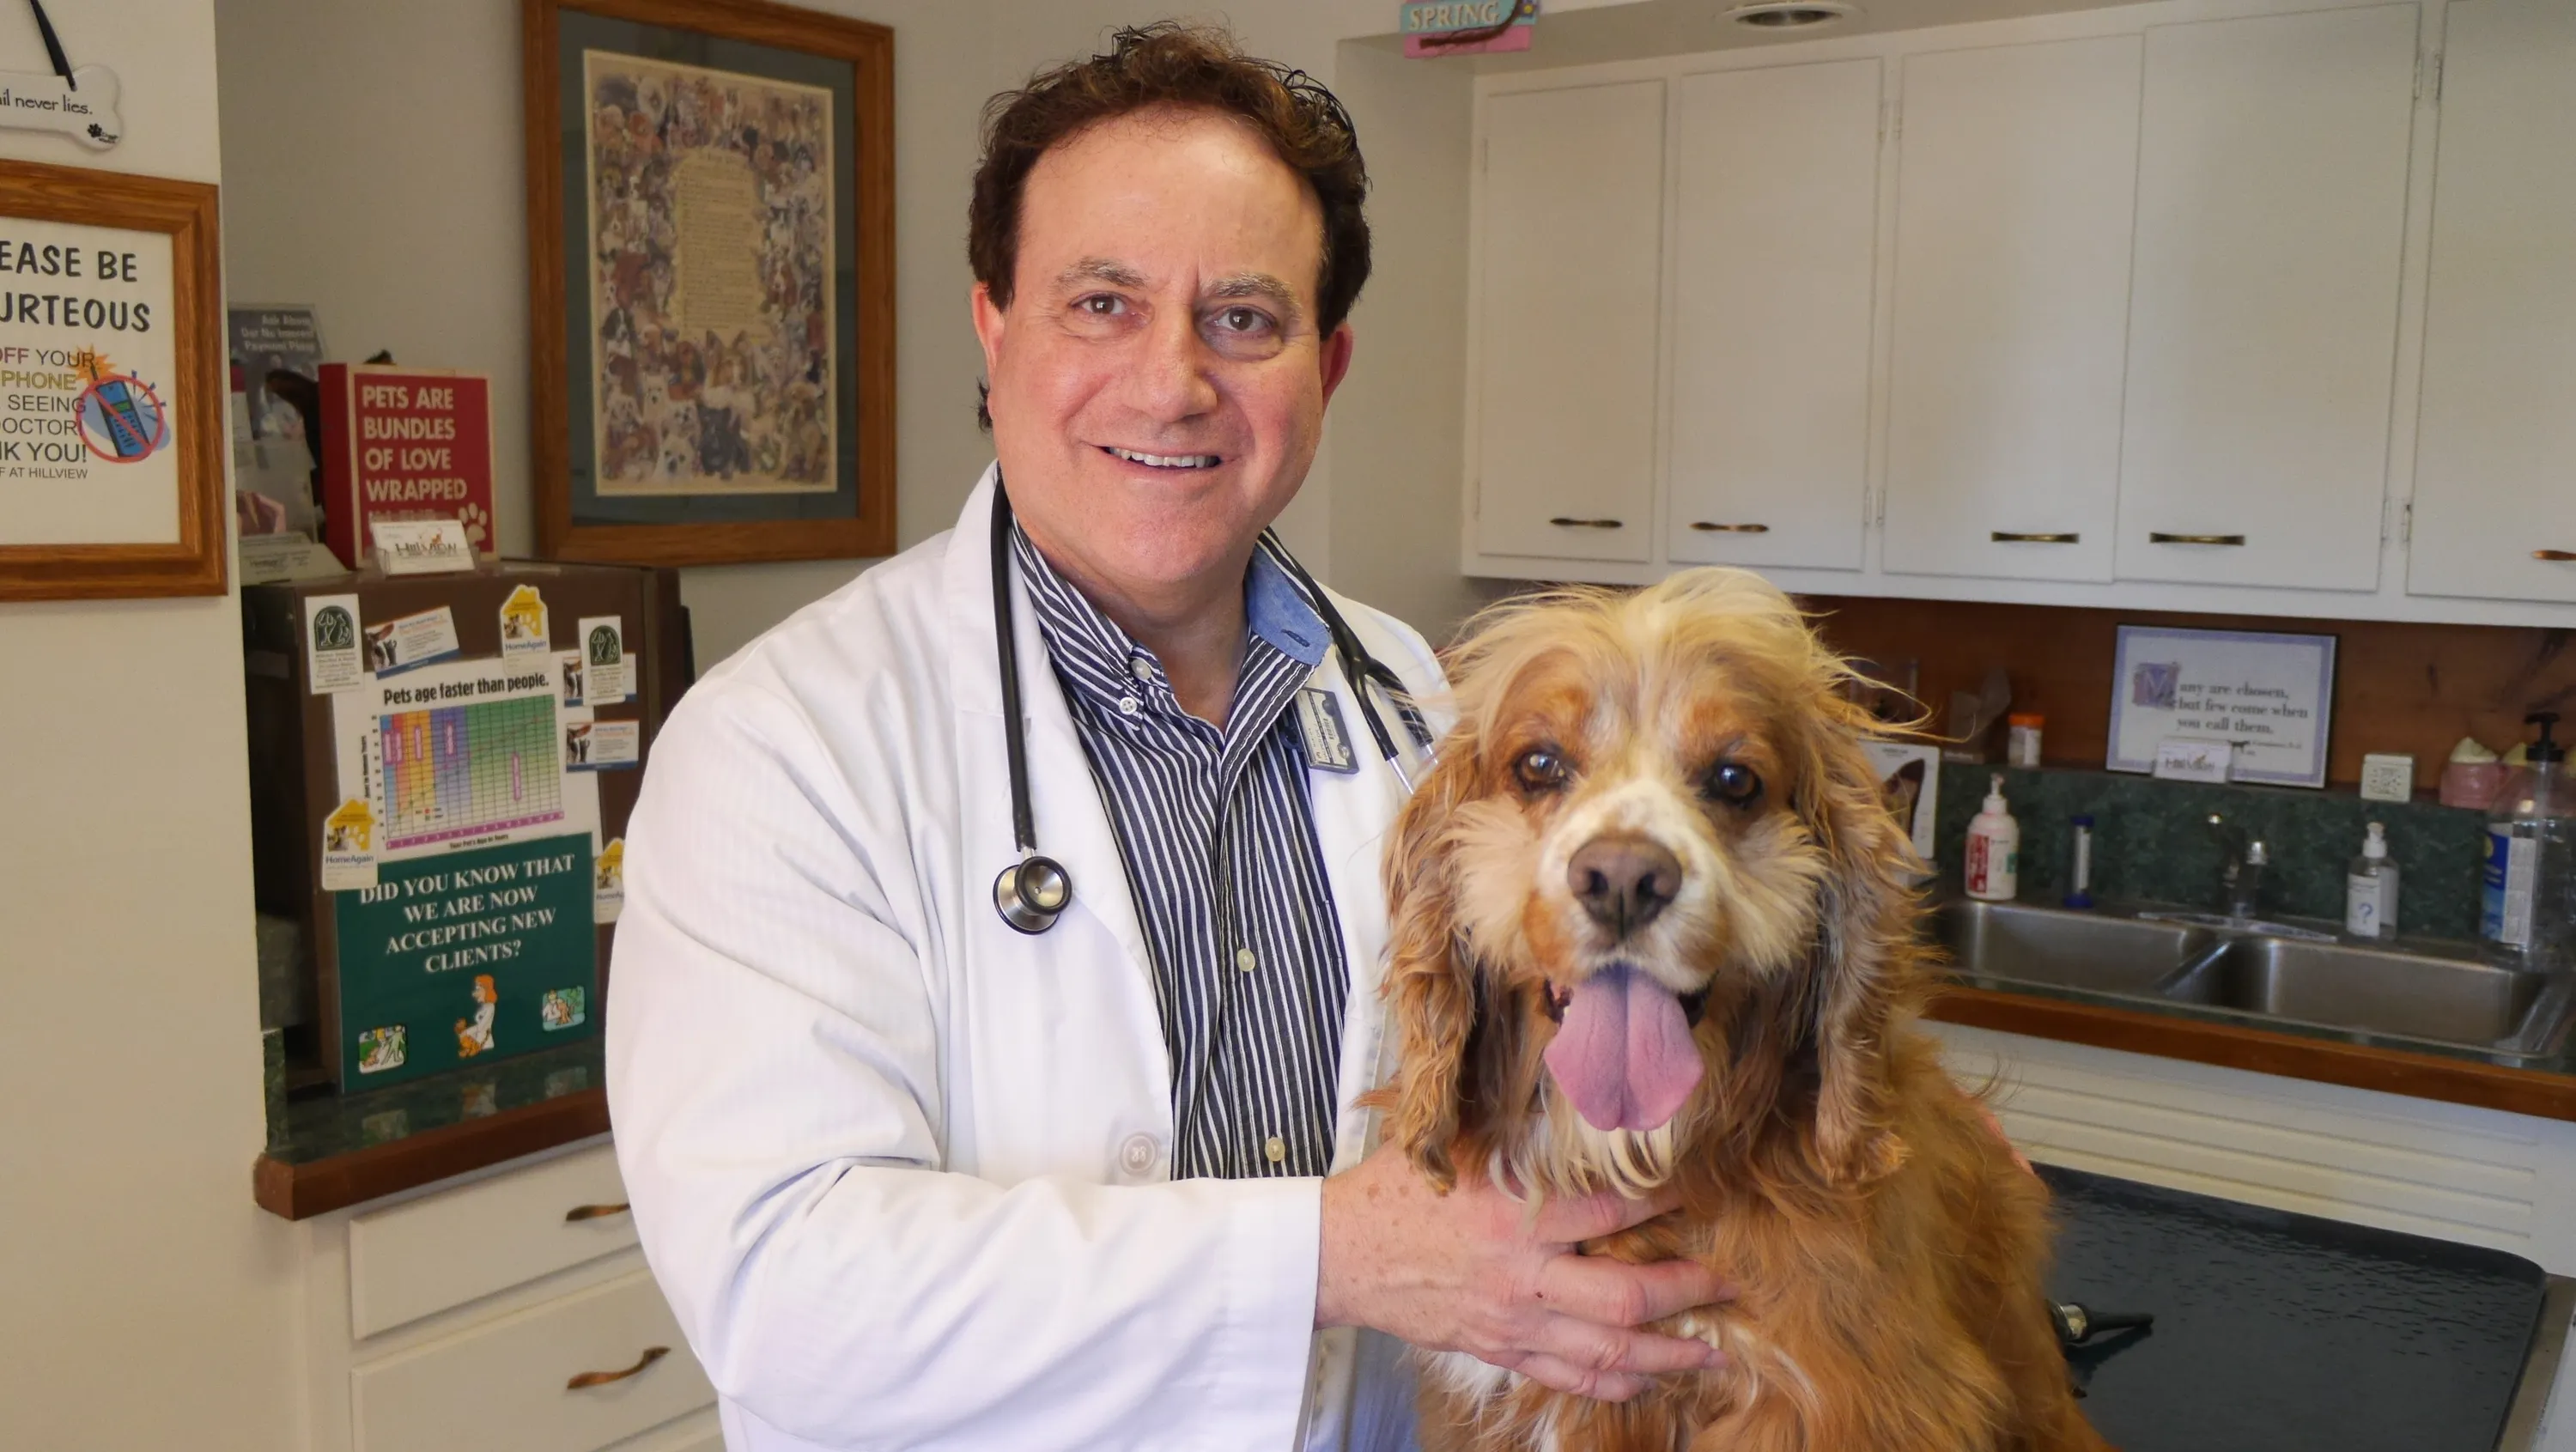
1032, 893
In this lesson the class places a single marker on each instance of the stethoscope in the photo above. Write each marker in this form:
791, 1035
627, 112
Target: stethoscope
1034, 891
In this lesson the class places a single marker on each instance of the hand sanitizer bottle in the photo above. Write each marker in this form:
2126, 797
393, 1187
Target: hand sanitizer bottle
1994, 849
2370, 889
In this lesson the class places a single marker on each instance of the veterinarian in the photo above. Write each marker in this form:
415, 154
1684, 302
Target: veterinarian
914, 1175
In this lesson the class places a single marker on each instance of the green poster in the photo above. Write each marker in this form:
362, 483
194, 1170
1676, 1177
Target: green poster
467, 956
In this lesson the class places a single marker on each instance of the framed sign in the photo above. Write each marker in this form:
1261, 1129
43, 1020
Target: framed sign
111, 386
2269, 698
711, 281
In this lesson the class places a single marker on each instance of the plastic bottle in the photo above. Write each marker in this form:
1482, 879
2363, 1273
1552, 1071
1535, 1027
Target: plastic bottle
2079, 873
2530, 875
2370, 889
1994, 849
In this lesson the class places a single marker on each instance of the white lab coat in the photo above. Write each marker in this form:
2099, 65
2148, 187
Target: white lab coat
903, 1173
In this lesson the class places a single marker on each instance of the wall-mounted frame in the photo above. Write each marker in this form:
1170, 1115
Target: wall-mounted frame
710, 280
2270, 696
111, 385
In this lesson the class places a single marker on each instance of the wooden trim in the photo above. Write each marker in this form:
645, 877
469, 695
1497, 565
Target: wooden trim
870, 51
186, 212
2541, 1093
300, 1191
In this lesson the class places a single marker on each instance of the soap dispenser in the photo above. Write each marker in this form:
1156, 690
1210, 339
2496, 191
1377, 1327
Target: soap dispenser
2370, 889
2530, 873
1994, 849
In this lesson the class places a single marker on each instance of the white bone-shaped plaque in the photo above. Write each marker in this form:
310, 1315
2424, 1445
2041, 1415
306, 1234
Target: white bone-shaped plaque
43, 101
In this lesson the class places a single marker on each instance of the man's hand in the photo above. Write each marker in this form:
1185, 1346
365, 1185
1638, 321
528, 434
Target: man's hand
1468, 1271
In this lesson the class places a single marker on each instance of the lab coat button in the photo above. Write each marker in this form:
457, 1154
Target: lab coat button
1276, 1148
1136, 1154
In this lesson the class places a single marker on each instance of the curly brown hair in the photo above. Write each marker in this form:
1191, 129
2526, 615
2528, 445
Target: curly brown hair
1174, 64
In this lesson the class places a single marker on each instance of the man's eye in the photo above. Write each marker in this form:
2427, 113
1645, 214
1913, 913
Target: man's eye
1243, 320
1540, 769
1101, 305
1733, 781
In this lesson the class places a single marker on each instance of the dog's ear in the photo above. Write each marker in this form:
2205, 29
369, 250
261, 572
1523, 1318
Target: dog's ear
1430, 988
1866, 976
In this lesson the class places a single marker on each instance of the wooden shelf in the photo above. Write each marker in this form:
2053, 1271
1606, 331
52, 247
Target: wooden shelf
2541, 1093
300, 1191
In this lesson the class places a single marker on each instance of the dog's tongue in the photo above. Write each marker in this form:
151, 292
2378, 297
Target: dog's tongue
1624, 1052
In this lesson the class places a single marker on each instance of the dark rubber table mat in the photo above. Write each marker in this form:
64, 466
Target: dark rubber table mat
2277, 1332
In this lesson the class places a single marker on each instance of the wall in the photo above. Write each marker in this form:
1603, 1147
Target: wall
413, 242
146, 1301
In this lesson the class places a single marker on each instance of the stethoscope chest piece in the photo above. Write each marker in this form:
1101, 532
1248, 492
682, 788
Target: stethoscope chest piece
1032, 893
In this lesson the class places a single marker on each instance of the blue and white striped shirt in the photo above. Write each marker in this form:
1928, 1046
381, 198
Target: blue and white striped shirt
1218, 836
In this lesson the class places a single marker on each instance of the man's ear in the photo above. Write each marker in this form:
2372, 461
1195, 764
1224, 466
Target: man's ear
990, 321
1335, 359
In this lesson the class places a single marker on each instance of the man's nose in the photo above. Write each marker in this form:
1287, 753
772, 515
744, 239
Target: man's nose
1623, 880
1167, 380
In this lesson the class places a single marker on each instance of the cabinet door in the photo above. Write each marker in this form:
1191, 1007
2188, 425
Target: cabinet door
2495, 461
1775, 250
2263, 311
2016, 191
1571, 231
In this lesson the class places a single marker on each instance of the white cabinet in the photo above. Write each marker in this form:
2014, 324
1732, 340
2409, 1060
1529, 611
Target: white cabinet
2263, 307
2016, 187
2495, 462
1570, 228
1774, 254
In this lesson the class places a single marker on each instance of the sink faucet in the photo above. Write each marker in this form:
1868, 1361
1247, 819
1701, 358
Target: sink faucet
2240, 871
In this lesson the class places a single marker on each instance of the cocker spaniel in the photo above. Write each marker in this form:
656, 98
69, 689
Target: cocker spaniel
1653, 926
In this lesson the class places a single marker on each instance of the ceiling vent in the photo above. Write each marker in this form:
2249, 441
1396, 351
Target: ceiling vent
1791, 14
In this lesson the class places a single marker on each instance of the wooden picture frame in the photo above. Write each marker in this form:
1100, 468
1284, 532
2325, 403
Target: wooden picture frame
690, 522
189, 424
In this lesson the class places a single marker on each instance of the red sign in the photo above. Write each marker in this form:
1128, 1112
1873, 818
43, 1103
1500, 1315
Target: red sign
404, 443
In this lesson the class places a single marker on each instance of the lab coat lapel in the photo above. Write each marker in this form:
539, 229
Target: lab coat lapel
1353, 814
1072, 824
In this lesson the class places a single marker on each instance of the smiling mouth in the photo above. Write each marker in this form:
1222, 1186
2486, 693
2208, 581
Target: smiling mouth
1163, 461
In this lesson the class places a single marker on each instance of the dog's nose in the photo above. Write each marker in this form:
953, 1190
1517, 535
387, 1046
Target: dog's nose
1623, 880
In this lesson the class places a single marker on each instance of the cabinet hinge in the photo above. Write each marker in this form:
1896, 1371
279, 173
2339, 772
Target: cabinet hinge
2428, 75
1891, 119
2406, 522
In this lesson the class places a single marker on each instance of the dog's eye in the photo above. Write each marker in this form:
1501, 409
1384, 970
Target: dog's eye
1539, 769
1733, 781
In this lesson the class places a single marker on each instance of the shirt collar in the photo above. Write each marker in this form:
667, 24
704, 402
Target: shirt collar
1276, 612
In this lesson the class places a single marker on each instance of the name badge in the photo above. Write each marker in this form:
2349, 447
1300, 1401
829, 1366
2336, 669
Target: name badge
1319, 725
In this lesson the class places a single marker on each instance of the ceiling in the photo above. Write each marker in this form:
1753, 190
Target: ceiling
1647, 28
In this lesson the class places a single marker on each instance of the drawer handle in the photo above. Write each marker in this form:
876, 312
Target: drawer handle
602, 1378
579, 1213
1702, 524
2553, 554
2005, 536
2158, 537
1566, 522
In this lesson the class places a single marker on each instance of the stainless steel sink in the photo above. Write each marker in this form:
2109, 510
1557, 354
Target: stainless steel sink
2422, 990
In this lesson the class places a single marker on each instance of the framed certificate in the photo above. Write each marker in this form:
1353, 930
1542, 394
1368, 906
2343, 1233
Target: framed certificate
111, 385
711, 281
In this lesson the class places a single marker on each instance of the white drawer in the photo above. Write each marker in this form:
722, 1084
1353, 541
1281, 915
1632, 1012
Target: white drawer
426, 1255
500, 1386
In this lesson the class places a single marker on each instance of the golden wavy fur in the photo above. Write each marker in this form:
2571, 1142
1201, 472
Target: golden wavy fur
1886, 1247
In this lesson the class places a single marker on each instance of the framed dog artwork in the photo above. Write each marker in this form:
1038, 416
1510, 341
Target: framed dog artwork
711, 281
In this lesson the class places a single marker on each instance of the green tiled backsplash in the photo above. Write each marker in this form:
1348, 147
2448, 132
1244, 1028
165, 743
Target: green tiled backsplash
2151, 841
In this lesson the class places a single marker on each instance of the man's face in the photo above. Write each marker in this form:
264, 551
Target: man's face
1158, 383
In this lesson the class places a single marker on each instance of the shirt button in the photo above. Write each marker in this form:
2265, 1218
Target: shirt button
1136, 1153
1246, 959
1139, 667
1276, 1148
1129, 705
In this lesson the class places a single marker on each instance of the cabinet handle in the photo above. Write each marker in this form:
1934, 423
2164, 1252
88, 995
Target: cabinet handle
2553, 554
1702, 524
602, 1378
579, 1213
2159, 537
1566, 522
2006, 536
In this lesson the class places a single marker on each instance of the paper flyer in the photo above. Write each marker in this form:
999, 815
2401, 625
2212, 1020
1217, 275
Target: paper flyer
602, 745
603, 649
460, 754
568, 678
608, 882
348, 847
411, 641
332, 659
